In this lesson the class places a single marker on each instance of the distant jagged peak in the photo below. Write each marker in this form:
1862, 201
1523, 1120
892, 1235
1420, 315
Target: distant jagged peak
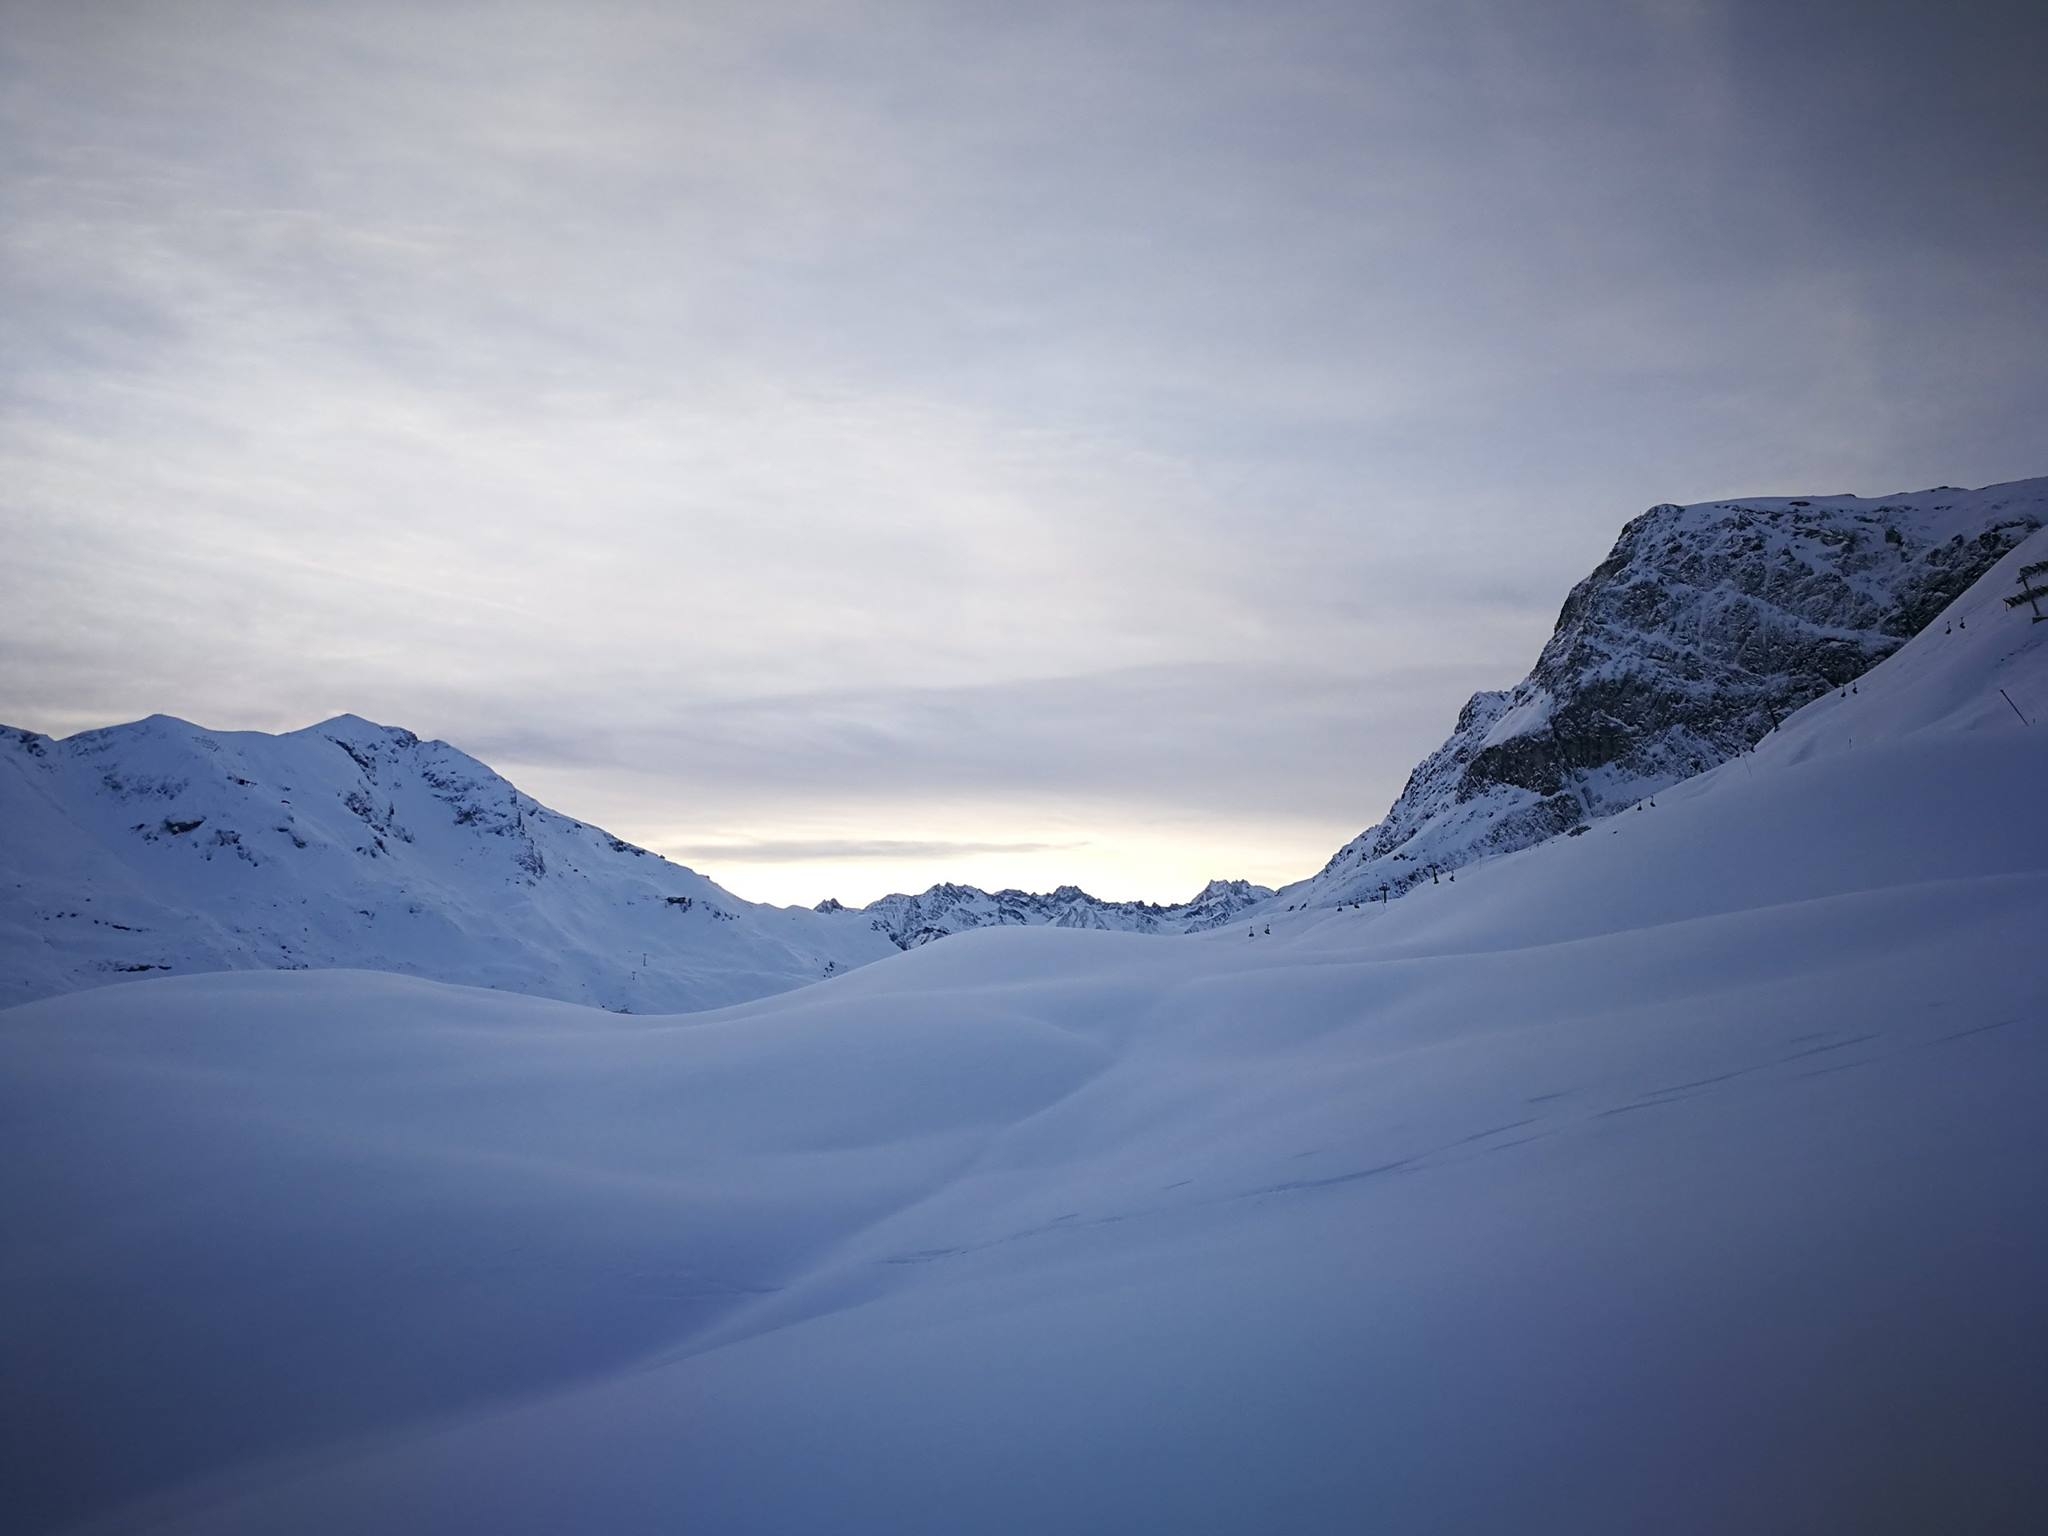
948, 908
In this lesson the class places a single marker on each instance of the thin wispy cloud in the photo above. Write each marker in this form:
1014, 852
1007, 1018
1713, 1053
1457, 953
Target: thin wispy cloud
827, 850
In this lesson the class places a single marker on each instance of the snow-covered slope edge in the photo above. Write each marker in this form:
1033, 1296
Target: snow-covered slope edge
1687, 1176
1702, 627
161, 847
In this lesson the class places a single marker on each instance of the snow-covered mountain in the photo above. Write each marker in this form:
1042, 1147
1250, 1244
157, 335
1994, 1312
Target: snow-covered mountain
1686, 1176
160, 847
1702, 628
947, 909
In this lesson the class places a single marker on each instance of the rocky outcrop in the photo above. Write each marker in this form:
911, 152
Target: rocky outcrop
1704, 626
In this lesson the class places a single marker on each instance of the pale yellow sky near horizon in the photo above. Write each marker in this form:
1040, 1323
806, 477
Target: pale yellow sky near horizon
1115, 857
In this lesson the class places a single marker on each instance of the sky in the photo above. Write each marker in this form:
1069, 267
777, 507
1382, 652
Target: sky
850, 446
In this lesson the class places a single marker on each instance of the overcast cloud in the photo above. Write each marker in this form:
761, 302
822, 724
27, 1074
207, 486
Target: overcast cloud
849, 446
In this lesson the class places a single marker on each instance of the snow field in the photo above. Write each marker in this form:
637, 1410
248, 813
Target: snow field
1686, 1175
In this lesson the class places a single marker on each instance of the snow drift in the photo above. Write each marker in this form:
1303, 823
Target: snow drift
1686, 1175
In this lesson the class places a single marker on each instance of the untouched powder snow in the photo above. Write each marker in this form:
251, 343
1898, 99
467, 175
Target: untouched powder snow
1684, 1176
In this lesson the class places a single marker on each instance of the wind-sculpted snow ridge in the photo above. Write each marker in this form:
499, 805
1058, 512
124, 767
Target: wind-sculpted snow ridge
949, 909
1685, 1176
1704, 626
160, 847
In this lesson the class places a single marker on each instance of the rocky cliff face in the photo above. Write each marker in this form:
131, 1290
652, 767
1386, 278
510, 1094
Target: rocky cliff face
1704, 626
944, 909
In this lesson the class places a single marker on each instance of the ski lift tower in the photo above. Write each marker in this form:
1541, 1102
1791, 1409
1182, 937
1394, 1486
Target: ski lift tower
2028, 592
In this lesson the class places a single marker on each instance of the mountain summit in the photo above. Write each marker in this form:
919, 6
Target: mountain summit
159, 847
1703, 628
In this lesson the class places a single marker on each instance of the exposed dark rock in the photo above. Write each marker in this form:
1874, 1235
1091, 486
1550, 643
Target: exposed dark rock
1702, 628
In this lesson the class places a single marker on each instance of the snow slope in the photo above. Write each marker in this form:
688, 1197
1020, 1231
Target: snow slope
1688, 1175
1703, 626
159, 846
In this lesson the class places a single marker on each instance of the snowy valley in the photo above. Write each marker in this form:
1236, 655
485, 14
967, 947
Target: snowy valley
741, 791
1681, 1175
161, 848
